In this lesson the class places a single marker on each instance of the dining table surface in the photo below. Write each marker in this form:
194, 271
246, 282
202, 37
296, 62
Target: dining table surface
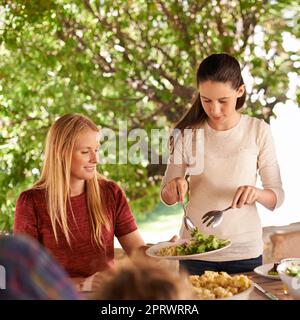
274, 286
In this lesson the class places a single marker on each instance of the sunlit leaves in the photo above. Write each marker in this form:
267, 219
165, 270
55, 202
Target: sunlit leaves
126, 60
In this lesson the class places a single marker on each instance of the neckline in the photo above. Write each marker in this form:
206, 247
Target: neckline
223, 132
78, 196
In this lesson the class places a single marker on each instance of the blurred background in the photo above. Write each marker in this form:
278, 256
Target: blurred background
136, 61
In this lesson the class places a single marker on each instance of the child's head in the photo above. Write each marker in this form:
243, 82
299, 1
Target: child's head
221, 91
142, 278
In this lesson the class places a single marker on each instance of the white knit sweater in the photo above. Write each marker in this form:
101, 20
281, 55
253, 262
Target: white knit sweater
232, 158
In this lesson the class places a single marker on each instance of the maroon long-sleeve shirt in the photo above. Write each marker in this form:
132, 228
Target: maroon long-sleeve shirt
83, 257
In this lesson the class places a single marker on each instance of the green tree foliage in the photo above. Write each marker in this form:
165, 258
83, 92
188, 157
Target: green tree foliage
126, 60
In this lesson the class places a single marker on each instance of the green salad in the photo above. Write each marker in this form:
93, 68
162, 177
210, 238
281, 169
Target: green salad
293, 271
199, 243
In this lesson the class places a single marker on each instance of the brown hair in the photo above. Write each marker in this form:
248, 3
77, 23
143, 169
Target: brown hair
142, 278
219, 67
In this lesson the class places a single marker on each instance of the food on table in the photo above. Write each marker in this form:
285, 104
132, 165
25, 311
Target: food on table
199, 243
293, 271
273, 271
214, 285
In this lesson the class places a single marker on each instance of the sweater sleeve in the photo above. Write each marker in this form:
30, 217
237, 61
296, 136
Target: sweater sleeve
176, 167
268, 166
124, 220
25, 221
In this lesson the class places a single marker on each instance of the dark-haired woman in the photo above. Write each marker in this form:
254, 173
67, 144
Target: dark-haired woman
236, 148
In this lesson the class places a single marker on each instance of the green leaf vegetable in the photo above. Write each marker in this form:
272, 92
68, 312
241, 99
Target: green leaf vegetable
200, 243
293, 271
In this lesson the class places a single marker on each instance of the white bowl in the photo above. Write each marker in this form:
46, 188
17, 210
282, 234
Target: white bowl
296, 260
292, 283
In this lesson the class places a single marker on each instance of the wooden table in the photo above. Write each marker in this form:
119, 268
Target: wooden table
274, 286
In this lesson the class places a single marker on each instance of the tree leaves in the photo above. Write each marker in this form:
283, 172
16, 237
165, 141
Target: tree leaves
125, 60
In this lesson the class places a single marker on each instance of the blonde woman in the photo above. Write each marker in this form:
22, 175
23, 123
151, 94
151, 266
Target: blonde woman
72, 210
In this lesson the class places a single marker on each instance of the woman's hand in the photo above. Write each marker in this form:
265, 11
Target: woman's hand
93, 282
245, 195
175, 190
143, 249
174, 238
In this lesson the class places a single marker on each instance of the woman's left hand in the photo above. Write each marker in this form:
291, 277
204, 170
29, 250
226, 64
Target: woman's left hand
142, 250
245, 195
174, 238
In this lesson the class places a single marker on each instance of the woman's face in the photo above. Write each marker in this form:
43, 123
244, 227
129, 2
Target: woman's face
219, 100
85, 155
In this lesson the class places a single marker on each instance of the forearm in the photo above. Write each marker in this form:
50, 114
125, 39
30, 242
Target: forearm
142, 249
132, 242
267, 198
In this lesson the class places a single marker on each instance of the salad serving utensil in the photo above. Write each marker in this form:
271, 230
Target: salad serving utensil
214, 218
188, 223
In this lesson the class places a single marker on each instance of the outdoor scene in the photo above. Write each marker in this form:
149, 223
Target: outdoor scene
131, 68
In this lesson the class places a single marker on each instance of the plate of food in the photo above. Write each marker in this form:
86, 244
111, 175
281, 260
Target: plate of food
221, 286
268, 271
199, 245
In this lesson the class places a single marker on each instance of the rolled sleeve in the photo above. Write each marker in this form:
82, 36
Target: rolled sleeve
176, 167
268, 166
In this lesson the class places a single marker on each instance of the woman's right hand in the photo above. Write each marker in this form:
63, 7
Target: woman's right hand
90, 283
175, 190
93, 282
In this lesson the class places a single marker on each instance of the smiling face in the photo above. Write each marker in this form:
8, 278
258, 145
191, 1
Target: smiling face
219, 103
85, 155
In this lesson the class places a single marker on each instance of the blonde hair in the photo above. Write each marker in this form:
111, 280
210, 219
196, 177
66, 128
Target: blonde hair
56, 174
142, 278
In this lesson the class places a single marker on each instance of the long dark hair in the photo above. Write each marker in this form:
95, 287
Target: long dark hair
219, 67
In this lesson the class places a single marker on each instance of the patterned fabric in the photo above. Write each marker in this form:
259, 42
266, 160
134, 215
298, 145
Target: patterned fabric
31, 273
83, 258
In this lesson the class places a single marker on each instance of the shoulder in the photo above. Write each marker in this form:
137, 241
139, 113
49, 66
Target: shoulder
259, 130
255, 124
29, 196
110, 188
113, 196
